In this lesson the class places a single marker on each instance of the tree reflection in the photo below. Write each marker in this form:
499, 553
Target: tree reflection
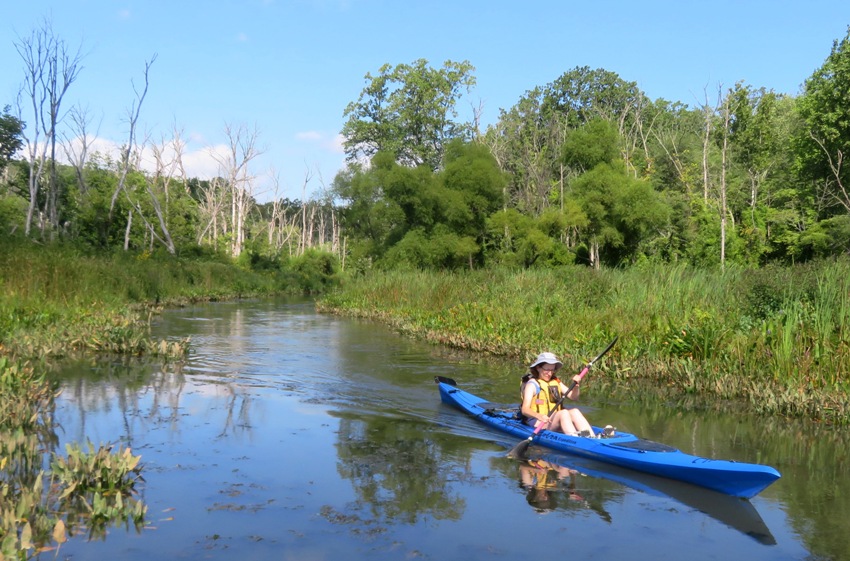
399, 470
812, 459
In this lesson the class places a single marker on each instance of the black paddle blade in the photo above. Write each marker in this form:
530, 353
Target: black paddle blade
441, 379
518, 451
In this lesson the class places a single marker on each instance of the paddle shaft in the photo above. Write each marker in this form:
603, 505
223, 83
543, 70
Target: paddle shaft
520, 448
574, 383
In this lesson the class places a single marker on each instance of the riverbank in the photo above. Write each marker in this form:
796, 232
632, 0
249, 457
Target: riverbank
57, 300
772, 340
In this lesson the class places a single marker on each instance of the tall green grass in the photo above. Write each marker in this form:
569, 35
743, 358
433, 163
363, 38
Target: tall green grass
56, 299
775, 339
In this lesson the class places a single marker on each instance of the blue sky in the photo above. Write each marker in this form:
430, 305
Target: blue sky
289, 67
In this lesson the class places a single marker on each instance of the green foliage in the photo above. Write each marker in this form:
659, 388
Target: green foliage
11, 136
590, 145
824, 107
441, 249
88, 490
473, 188
582, 94
738, 335
392, 208
408, 111
622, 212
314, 272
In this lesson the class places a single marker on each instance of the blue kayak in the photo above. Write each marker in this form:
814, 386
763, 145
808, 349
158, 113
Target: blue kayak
738, 479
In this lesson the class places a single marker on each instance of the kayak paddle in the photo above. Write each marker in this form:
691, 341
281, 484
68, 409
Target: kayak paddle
519, 450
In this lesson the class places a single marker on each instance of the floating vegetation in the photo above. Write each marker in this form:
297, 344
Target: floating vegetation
87, 491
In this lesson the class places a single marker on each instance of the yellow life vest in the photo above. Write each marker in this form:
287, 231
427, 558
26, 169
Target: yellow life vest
548, 394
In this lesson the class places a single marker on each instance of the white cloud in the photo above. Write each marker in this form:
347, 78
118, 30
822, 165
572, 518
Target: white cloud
202, 163
314, 136
332, 144
337, 144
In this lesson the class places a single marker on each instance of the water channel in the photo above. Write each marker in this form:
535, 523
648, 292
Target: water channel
291, 435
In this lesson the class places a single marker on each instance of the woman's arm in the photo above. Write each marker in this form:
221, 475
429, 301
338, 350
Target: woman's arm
574, 395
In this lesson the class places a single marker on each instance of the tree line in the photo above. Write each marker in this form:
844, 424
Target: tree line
588, 169
54, 185
585, 169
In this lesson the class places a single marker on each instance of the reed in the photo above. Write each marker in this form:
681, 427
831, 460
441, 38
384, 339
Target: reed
774, 339
57, 300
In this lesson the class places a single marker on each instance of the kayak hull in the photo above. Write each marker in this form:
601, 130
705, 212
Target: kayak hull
738, 479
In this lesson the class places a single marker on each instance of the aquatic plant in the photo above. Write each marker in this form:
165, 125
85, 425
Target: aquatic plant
90, 489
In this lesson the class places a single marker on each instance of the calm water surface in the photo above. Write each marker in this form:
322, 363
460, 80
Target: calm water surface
294, 435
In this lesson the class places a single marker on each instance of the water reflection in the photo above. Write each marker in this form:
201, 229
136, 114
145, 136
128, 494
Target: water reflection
322, 419
549, 484
397, 472
736, 513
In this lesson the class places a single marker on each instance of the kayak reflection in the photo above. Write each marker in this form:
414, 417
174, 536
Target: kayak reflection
734, 512
549, 484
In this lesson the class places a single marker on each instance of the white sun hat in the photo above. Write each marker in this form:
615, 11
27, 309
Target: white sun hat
547, 358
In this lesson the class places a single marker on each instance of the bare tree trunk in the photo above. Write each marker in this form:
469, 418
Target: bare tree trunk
706, 143
242, 145
834, 188
211, 203
594, 255
133, 114
302, 246
723, 166
50, 70
127, 230
77, 145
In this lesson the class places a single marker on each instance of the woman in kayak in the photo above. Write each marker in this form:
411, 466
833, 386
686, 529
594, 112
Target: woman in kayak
542, 390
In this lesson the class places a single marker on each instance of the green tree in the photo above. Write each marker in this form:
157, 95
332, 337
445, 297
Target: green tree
527, 138
11, 137
623, 213
367, 216
473, 188
766, 207
409, 111
582, 95
824, 142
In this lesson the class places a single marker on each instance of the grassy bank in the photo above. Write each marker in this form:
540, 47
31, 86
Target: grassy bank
56, 300
775, 340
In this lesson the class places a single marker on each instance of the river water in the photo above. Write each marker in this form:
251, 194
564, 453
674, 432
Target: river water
291, 435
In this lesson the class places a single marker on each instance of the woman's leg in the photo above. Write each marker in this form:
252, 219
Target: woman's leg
578, 421
562, 421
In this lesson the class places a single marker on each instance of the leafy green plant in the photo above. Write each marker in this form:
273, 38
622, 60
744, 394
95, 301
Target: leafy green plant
89, 489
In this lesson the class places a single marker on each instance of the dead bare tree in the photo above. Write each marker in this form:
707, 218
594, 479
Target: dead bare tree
210, 203
281, 228
241, 150
304, 244
834, 188
125, 164
50, 69
709, 113
77, 144
168, 164
726, 114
